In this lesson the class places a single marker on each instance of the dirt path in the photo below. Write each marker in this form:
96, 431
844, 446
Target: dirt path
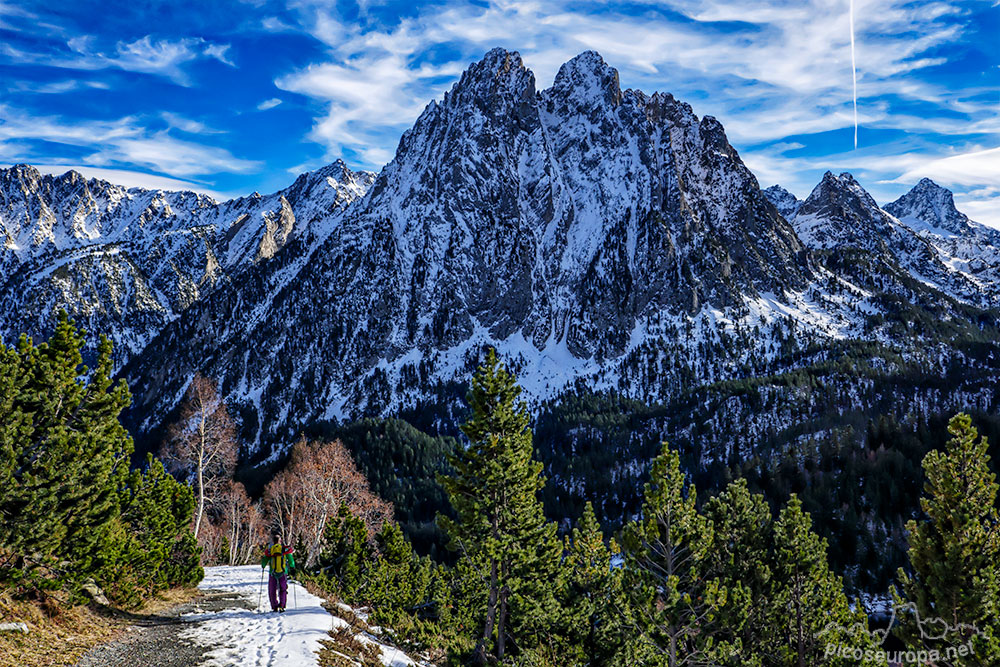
155, 639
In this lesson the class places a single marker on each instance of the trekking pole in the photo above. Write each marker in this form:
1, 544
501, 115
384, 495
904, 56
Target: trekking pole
295, 597
260, 591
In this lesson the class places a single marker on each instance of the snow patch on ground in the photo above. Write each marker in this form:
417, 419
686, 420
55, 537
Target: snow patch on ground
258, 637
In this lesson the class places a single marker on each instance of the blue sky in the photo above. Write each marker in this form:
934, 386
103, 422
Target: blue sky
231, 97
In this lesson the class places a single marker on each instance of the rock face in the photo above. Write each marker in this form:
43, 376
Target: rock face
929, 207
921, 234
965, 246
839, 212
127, 261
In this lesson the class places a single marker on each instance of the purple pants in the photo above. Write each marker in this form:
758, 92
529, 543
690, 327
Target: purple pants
277, 590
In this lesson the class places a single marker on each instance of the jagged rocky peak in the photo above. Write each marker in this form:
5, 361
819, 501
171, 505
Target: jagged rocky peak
839, 212
141, 257
338, 173
498, 78
928, 205
839, 196
783, 200
337, 170
22, 174
73, 179
587, 79
610, 182
334, 180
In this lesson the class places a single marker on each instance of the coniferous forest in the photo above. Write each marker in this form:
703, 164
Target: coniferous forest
471, 553
73, 507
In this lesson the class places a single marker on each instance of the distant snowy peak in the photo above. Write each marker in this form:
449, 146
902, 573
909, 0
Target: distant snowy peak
930, 207
838, 191
45, 213
783, 200
254, 228
839, 212
910, 234
126, 261
41, 214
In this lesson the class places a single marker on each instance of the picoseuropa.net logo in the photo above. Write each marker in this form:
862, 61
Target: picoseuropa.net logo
941, 640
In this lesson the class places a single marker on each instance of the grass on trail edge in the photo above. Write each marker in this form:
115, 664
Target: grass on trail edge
59, 636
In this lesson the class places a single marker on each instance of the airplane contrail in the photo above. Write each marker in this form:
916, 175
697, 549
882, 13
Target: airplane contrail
854, 74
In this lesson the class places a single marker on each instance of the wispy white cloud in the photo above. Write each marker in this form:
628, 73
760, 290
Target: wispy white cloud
124, 141
220, 52
984, 208
359, 92
777, 69
160, 57
268, 104
188, 125
974, 168
55, 87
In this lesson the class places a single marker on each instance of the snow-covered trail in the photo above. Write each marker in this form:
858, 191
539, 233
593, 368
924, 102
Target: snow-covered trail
258, 637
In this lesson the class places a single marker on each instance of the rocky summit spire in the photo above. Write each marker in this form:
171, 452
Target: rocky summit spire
928, 205
851, 214
587, 79
498, 79
783, 200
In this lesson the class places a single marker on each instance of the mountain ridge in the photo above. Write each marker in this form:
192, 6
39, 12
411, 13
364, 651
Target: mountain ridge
598, 237
127, 260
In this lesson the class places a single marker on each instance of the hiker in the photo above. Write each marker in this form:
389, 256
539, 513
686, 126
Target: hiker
278, 557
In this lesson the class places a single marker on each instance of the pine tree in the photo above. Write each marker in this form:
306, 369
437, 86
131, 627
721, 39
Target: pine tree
348, 555
955, 555
809, 612
592, 627
673, 606
66, 453
15, 431
397, 577
151, 547
500, 526
739, 558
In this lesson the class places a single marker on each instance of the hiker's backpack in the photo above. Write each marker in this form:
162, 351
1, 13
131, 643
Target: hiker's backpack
278, 559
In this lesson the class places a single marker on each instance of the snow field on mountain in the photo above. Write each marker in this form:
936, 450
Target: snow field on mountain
258, 637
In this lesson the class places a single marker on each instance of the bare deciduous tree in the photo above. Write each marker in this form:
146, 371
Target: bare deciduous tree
242, 522
283, 502
202, 443
318, 478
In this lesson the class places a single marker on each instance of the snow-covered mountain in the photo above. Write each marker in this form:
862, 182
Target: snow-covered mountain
127, 261
783, 200
600, 238
565, 226
921, 233
964, 245
592, 234
929, 208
